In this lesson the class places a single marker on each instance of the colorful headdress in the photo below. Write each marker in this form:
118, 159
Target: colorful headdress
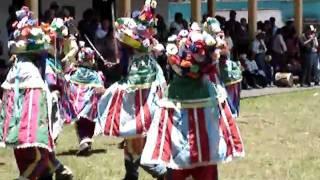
212, 27
138, 32
28, 37
187, 52
58, 26
86, 55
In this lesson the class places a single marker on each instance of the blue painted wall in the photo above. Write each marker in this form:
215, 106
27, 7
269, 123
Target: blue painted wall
311, 8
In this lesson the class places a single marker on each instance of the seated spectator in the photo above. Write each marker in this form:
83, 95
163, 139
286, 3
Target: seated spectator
259, 50
252, 76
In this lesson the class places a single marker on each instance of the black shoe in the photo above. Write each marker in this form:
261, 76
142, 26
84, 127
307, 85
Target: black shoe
46, 177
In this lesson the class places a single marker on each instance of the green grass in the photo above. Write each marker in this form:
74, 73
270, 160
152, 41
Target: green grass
281, 135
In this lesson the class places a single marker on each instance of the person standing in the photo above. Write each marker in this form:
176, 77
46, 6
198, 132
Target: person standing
259, 50
127, 108
279, 49
309, 46
25, 118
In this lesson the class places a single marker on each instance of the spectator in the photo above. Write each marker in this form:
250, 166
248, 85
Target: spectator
260, 26
309, 46
293, 53
279, 49
104, 40
162, 32
52, 12
233, 27
252, 76
268, 38
88, 25
243, 37
178, 24
273, 25
259, 50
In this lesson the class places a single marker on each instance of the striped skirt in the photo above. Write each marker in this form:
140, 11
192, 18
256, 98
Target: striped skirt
234, 91
193, 137
24, 120
80, 98
79, 101
127, 112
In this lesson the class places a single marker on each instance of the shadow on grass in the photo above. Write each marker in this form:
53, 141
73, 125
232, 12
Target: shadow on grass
74, 152
2, 164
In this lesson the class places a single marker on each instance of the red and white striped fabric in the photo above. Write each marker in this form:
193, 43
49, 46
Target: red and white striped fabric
127, 112
183, 138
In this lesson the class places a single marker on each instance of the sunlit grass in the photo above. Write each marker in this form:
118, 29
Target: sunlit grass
281, 135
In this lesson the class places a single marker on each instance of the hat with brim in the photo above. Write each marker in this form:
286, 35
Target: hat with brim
28, 37
138, 32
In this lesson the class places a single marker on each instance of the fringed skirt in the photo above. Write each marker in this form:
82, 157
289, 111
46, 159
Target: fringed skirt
127, 108
193, 134
126, 111
80, 98
24, 120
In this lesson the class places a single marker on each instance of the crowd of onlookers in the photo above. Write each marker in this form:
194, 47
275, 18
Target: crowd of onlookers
274, 49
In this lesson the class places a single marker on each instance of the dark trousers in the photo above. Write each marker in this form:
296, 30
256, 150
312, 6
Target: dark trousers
310, 68
253, 80
266, 68
132, 152
278, 62
85, 129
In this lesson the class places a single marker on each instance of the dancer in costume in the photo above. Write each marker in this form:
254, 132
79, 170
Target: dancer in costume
25, 115
127, 107
229, 72
83, 87
61, 58
193, 129
231, 75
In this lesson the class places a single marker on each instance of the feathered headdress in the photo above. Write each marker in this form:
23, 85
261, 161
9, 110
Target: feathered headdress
138, 31
187, 52
28, 37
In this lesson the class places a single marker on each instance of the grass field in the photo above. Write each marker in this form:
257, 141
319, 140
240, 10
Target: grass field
281, 135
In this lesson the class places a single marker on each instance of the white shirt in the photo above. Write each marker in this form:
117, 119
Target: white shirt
251, 65
259, 46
